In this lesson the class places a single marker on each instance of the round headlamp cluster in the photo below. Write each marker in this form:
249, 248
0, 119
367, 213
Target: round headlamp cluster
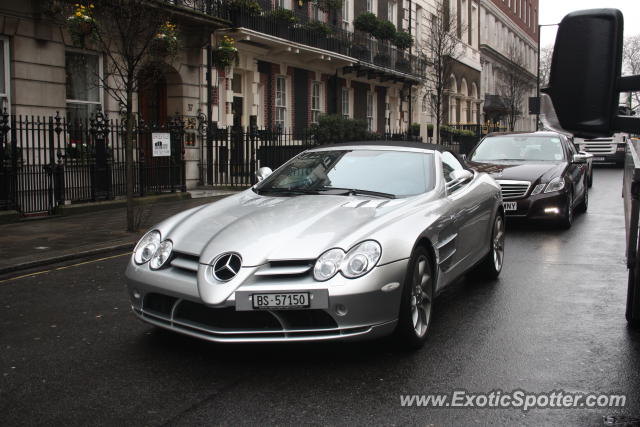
151, 248
357, 262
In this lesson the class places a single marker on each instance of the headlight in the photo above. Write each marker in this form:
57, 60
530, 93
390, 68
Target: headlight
361, 259
556, 184
538, 189
328, 264
146, 247
162, 255
357, 262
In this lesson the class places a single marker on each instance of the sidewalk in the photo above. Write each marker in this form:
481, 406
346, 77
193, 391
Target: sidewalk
33, 243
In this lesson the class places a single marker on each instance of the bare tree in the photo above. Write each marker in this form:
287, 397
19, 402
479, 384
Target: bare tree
125, 31
442, 48
513, 85
546, 54
631, 64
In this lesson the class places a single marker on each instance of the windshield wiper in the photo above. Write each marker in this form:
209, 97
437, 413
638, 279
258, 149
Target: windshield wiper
356, 191
277, 190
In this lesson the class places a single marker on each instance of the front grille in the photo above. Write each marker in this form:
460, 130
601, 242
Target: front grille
600, 148
227, 323
285, 268
514, 189
185, 261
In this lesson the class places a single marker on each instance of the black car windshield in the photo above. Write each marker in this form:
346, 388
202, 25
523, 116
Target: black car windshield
519, 148
394, 173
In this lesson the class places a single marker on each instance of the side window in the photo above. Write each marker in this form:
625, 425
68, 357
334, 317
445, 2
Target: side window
572, 148
449, 164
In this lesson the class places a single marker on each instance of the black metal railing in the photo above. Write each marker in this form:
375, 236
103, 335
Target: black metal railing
234, 154
48, 161
307, 31
215, 8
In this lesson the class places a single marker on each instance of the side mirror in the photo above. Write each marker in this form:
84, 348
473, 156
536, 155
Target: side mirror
585, 79
579, 158
460, 175
263, 172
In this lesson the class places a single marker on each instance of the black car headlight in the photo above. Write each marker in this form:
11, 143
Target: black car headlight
556, 184
357, 262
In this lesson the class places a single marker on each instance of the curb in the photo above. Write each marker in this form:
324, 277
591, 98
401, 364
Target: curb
66, 257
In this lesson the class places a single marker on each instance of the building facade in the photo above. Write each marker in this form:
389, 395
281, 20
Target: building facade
509, 47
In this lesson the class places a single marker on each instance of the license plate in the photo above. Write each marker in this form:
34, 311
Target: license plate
288, 300
510, 206
598, 159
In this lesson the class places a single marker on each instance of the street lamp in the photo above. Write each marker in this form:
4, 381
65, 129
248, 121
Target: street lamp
538, 76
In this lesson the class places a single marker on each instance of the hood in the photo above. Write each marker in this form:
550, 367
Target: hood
262, 228
530, 171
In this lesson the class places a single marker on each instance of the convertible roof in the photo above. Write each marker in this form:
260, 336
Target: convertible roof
396, 144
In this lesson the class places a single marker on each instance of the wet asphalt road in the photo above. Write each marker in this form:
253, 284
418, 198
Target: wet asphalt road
72, 353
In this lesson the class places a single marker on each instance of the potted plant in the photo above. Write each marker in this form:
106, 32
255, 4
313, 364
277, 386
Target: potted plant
81, 24
165, 42
366, 22
403, 65
225, 54
430, 130
402, 40
384, 30
242, 10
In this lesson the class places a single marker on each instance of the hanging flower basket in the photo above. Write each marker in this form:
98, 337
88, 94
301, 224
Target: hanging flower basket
165, 42
81, 24
225, 54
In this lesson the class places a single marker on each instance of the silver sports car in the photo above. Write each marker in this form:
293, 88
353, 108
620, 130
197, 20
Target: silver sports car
341, 242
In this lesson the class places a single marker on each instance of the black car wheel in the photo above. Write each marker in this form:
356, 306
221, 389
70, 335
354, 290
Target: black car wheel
416, 305
584, 205
567, 218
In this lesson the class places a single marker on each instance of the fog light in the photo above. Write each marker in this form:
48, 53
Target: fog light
136, 294
552, 210
340, 310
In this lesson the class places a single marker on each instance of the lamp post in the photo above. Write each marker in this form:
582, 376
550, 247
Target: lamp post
538, 76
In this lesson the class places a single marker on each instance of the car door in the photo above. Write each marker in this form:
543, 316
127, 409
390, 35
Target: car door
469, 213
575, 172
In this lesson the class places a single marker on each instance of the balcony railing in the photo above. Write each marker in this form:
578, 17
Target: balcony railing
327, 37
214, 8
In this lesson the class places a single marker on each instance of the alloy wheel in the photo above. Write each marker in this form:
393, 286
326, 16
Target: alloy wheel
421, 296
498, 243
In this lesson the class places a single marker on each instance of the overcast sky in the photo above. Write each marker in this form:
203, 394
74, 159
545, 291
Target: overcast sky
552, 12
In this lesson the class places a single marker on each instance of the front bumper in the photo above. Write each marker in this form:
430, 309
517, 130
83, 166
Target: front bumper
533, 207
353, 308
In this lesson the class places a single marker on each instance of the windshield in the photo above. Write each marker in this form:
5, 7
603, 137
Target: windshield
519, 148
396, 173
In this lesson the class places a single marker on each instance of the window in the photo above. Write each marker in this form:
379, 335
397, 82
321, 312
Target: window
4, 75
281, 102
315, 102
283, 4
84, 74
345, 102
345, 14
449, 164
370, 111
391, 11
425, 103
370, 6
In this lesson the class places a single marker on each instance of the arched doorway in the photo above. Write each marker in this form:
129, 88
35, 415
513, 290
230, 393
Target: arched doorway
161, 169
152, 95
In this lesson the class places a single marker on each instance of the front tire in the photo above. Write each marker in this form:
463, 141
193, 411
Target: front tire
416, 305
567, 219
491, 266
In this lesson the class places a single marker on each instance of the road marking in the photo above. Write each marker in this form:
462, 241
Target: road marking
37, 273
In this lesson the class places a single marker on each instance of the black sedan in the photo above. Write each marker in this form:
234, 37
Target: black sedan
542, 175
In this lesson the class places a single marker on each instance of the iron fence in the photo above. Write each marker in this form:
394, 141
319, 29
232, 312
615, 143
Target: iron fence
48, 161
234, 154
